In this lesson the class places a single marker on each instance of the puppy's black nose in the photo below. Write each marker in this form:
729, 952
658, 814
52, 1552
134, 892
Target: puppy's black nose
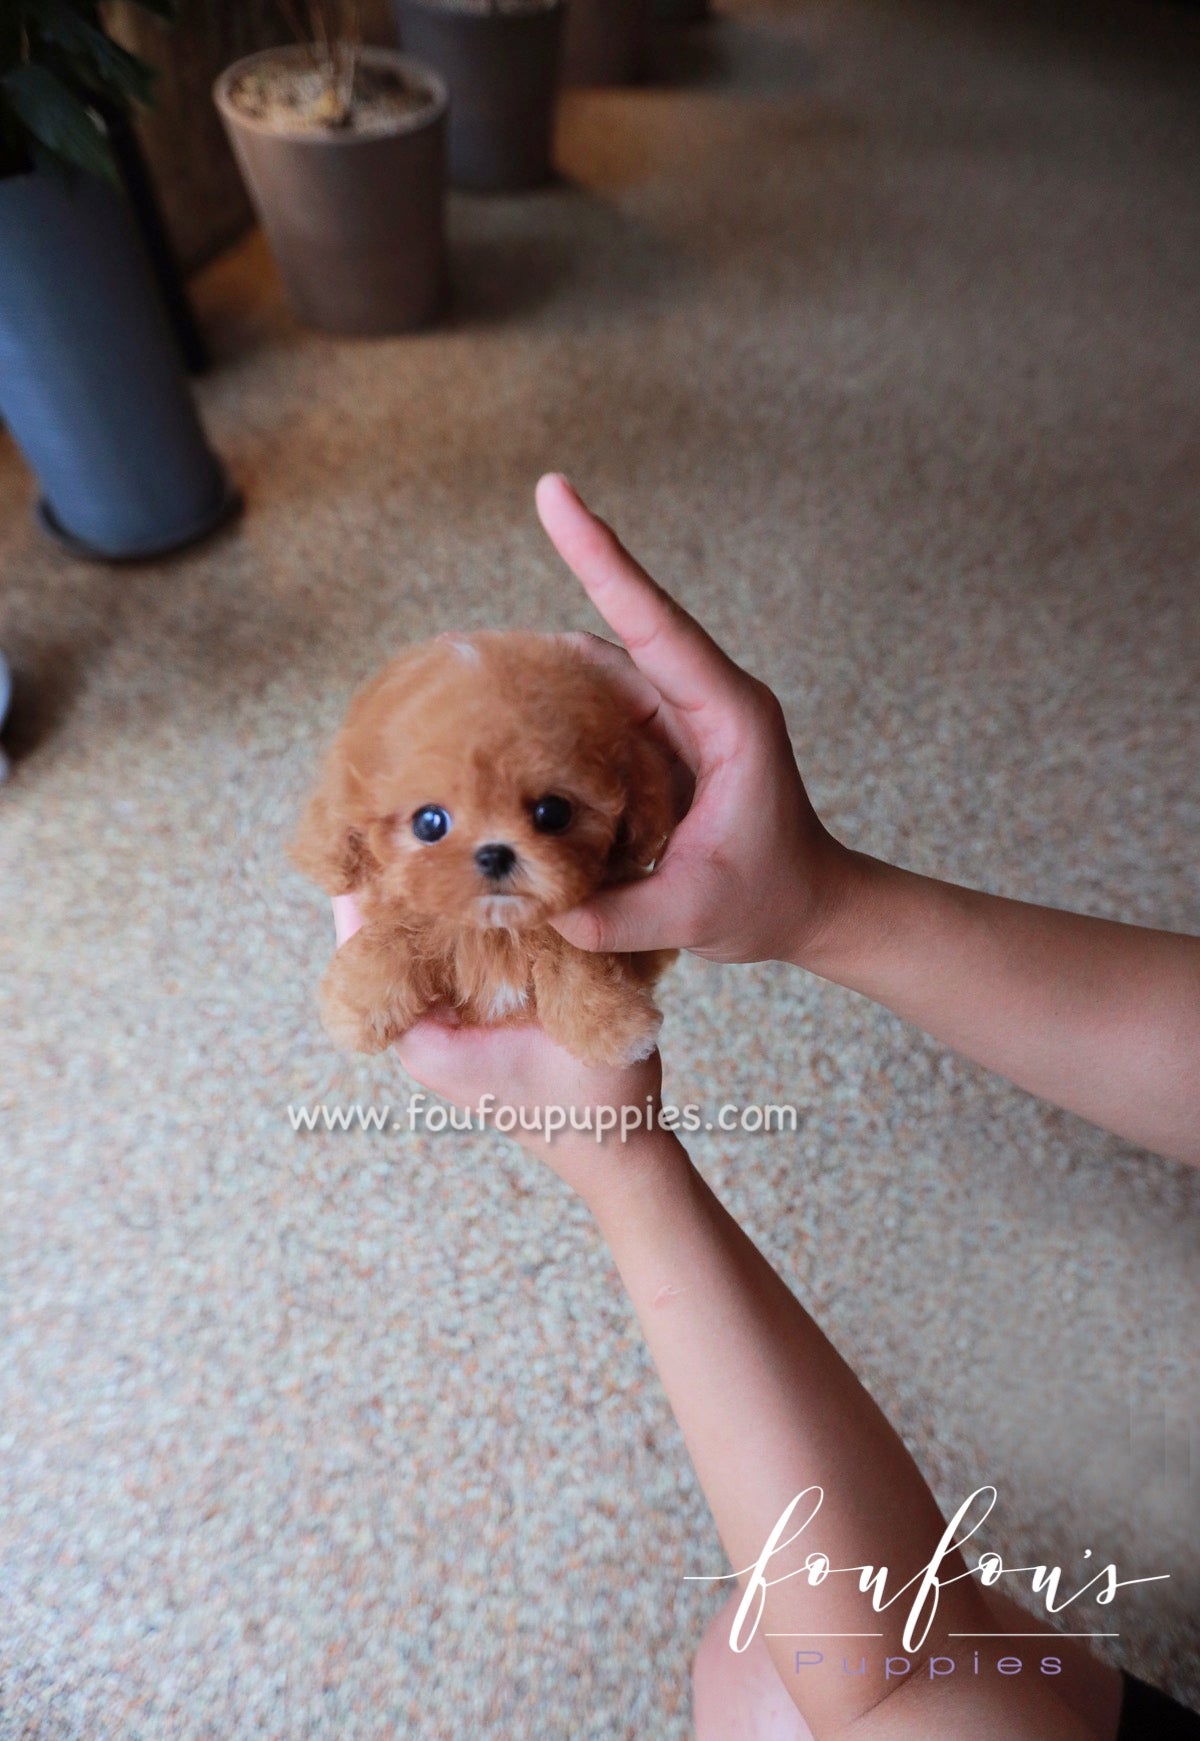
494, 860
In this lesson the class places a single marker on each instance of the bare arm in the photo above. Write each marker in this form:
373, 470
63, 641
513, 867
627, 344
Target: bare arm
1101, 1018
768, 1408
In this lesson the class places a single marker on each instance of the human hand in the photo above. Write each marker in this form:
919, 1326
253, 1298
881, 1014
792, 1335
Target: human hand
520, 1070
750, 873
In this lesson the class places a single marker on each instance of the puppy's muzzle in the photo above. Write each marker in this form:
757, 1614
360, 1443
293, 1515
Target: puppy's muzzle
495, 861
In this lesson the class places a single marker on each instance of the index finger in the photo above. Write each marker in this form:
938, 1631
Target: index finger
680, 658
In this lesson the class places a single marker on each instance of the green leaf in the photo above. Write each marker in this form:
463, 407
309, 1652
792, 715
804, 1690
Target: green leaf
113, 71
58, 121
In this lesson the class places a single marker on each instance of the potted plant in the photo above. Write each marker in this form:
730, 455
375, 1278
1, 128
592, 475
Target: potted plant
343, 149
605, 41
499, 59
91, 381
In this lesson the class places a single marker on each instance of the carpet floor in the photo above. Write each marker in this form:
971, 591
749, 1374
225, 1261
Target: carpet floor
876, 330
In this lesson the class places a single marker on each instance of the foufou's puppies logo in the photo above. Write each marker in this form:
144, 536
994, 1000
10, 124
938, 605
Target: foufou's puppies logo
924, 1589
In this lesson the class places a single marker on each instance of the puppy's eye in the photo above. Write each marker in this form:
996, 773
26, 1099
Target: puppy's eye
430, 823
552, 814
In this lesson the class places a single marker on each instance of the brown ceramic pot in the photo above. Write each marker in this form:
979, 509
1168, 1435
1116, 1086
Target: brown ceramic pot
605, 41
356, 221
501, 69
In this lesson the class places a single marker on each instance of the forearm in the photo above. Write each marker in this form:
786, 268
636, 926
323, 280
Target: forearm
768, 1408
1098, 1017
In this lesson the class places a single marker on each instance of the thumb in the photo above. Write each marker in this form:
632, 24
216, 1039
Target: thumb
652, 914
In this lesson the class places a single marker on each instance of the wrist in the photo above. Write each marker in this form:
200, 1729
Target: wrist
881, 934
849, 918
630, 1178
840, 888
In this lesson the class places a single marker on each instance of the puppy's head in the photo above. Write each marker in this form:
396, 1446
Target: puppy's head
490, 779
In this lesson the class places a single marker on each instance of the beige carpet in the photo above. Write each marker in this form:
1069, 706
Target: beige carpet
876, 327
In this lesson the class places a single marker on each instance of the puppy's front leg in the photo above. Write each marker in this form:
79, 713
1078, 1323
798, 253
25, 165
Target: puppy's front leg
594, 1006
370, 995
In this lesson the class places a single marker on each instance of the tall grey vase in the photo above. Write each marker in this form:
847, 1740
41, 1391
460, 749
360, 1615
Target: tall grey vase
501, 70
91, 383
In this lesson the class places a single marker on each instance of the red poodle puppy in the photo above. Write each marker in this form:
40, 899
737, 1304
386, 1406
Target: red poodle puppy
480, 785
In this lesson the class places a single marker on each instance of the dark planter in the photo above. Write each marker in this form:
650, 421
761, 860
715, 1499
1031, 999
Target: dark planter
356, 222
605, 41
501, 70
91, 382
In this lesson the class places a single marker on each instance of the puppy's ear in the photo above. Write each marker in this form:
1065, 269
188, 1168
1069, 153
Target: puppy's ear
331, 844
649, 811
328, 847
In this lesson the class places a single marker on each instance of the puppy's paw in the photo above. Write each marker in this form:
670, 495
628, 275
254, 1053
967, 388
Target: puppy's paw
366, 1001
627, 1040
355, 1030
641, 1046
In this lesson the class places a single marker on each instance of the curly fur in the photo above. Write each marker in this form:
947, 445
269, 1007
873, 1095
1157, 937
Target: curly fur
483, 726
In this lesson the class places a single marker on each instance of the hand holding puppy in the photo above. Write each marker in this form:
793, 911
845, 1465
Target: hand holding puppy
750, 874
520, 1067
495, 801
1098, 1017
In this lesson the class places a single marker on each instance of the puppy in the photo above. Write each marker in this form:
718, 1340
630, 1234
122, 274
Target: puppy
482, 784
